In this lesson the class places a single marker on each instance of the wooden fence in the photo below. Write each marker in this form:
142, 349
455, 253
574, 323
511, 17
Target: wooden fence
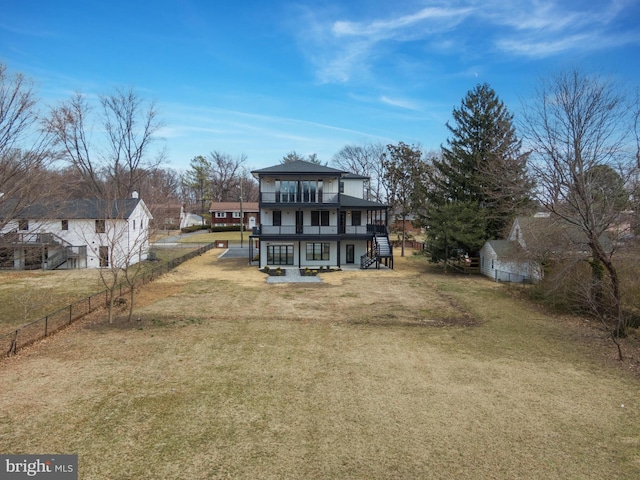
51, 323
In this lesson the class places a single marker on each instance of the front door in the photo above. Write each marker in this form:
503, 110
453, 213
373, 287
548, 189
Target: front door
350, 253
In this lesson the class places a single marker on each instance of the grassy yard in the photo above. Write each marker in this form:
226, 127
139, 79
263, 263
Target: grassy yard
29, 295
370, 374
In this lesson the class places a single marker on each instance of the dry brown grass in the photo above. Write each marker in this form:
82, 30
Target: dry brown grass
389, 374
26, 296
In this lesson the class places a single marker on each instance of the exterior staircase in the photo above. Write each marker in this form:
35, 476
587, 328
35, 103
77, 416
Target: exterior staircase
47, 251
381, 252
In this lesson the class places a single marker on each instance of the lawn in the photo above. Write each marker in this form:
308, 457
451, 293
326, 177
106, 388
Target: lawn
26, 296
370, 374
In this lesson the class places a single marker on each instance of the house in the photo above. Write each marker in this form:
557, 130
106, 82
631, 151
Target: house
228, 214
511, 259
397, 224
76, 234
533, 241
172, 217
317, 216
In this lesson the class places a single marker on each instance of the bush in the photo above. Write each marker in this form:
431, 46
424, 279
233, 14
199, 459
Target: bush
230, 228
194, 228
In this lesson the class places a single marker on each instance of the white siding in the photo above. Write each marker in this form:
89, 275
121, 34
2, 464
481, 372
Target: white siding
354, 187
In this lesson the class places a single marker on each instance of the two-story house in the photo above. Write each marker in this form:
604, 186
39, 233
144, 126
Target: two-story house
313, 215
227, 214
83, 233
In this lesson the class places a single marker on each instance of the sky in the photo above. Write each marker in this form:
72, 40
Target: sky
263, 78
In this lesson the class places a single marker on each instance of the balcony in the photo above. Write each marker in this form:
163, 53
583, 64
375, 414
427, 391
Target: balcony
364, 230
311, 198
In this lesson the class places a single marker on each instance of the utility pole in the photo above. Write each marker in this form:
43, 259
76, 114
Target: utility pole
241, 217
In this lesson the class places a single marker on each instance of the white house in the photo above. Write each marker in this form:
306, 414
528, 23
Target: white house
313, 215
77, 234
532, 241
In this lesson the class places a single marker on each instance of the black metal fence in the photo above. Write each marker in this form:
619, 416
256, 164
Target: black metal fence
51, 323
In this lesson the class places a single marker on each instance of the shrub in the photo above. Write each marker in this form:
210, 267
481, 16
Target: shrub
194, 228
230, 228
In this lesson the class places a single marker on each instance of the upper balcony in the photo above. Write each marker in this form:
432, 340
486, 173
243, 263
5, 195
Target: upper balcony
305, 198
351, 230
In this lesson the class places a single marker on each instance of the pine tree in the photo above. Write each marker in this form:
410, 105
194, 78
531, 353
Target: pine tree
482, 165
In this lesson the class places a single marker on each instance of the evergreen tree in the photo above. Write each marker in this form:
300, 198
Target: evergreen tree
480, 165
455, 228
197, 182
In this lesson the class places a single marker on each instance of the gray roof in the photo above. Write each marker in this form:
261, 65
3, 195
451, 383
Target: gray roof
354, 202
298, 167
553, 231
355, 176
507, 248
79, 209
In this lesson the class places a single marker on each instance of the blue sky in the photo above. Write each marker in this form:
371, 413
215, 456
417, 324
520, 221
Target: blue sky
264, 78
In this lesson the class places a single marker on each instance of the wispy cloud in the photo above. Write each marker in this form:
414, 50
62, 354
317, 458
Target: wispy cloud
346, 49
401, 103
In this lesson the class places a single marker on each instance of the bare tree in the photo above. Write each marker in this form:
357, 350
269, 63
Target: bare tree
576, 125
226, 170
119, 241
131, 125
25, 150
119, 159
366, 160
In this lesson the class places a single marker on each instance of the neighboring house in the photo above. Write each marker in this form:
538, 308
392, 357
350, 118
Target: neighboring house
396, 223
190, 219
227, 214
313, 215
531, 241
76, 234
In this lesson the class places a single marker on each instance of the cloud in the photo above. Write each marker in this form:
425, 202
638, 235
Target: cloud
345, 49
401, 103
398, 25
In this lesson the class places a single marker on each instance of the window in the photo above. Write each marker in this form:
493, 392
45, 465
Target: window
318, 251
236, 214
320, 217
100, 226
221, 214
341, 187
356, 219
168, 221
277, 218
23, 224
65, 225
286, 190
280, 254
134, 223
